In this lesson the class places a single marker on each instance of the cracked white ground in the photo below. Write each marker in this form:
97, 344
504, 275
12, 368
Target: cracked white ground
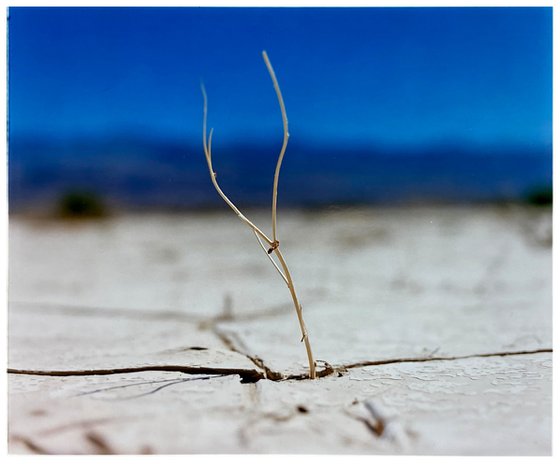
151, 334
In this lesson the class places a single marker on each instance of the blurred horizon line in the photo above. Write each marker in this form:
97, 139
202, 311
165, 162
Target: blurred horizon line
134, 173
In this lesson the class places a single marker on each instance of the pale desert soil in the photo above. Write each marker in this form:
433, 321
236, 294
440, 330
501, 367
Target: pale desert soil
174, 334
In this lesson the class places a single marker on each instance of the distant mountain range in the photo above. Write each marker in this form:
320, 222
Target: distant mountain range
131, 173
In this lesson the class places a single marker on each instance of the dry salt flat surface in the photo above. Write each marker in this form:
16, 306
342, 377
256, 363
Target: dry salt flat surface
173, 334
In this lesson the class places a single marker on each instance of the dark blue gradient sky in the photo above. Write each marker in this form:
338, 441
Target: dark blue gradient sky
380, 76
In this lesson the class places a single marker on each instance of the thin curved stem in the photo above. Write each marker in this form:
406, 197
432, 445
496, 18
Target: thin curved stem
208, 153
299, 312
274, 243
284, 142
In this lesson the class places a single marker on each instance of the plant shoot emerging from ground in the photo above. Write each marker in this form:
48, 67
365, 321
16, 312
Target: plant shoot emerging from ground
269, 245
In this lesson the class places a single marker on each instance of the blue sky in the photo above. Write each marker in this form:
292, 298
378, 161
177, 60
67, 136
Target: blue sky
388, 76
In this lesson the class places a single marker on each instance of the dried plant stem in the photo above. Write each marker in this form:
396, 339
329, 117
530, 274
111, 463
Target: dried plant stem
299, 312
284, 142
273, 243
208, 153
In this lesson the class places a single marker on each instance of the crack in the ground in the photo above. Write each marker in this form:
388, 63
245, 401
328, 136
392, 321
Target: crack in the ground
166, 383
30, 444
229, 316
339, 370
99, 443
244, 431
269, 373
151, 382
204, 323
247, 375
252, 376
78, 310
230, 344
210, 324
237, 345
439, 358
381, 423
